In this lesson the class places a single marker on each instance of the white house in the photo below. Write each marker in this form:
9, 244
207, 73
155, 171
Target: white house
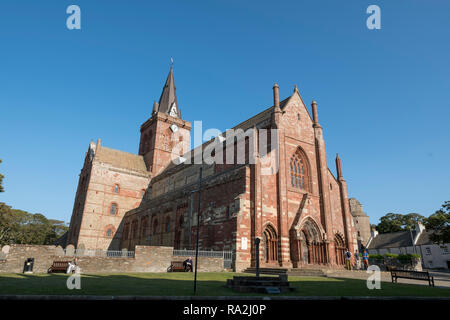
411, 241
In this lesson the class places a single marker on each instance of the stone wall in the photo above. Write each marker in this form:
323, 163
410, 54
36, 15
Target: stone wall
386, 262
146, 259
92, 218
43, 258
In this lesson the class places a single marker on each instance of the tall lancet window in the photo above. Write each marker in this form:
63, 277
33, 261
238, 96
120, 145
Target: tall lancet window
299, 176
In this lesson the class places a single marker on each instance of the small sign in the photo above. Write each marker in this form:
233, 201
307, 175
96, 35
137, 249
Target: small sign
244, 243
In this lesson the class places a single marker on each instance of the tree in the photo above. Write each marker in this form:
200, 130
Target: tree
394, 222
391, 222
439, 224
21, 227
5, 224
1, 180
410, 220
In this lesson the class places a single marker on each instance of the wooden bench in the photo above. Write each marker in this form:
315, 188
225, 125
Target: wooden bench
414, 275
176, 266
59, 266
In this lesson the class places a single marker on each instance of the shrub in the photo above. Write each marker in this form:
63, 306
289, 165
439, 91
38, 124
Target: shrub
407, 258
376, 256
391, 255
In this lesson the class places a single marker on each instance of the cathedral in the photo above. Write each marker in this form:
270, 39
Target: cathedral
160, 197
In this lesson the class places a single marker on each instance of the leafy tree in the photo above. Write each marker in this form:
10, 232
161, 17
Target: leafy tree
391, 222
410, 220
1, 180
5, 224
439, 223
17, 226
394, 222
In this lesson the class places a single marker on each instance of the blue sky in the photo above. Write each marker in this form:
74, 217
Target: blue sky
383, 95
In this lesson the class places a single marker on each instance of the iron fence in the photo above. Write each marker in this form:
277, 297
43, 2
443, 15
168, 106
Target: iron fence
226, 255
101, 253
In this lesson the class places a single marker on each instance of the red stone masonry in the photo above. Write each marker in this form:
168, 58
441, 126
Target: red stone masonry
300, 211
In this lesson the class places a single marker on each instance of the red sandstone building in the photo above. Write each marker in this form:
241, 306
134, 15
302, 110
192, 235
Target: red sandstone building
300, 210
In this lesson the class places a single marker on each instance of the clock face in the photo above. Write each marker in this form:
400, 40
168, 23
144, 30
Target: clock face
173, 110
174, 128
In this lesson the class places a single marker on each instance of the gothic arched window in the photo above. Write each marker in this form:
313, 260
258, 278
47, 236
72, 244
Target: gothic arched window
144, 227
113, 209
299, 172
181, 221
167, 224
109, 233
155, 226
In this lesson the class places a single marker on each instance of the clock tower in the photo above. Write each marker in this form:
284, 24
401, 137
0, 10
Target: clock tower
165, 137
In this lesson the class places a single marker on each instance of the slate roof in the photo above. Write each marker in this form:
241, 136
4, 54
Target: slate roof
168, 96
424, 238
263, 115
393, 240
249, 123
121, 159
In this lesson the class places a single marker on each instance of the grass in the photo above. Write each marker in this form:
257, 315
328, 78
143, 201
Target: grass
181, 284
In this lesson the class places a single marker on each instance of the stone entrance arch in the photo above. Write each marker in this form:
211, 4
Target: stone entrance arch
270, 245
339, 247
307, 245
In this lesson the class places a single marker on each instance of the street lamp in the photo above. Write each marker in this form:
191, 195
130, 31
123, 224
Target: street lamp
198, 228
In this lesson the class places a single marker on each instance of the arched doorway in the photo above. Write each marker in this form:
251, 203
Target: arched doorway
304, 258
339, 247
270, 245
307, 245
178, 232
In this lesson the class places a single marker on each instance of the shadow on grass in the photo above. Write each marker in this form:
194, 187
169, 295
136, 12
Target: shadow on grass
181, 284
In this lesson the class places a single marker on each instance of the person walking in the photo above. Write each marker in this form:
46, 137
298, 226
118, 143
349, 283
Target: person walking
357, 261
348, 259
365, 256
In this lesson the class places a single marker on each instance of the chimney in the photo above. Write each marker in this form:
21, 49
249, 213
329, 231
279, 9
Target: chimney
276, 96
419, 227
374, 233
99, 142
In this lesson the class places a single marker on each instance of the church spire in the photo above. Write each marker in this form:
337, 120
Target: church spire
168, 101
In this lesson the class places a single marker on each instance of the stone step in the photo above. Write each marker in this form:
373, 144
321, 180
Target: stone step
306, 273
311, 272
276, 271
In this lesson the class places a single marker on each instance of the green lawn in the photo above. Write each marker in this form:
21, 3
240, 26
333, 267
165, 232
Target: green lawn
181, 284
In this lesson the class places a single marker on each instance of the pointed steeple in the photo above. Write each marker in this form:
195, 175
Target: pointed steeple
168, 101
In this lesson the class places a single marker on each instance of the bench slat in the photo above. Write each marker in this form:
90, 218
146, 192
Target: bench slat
413, 275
